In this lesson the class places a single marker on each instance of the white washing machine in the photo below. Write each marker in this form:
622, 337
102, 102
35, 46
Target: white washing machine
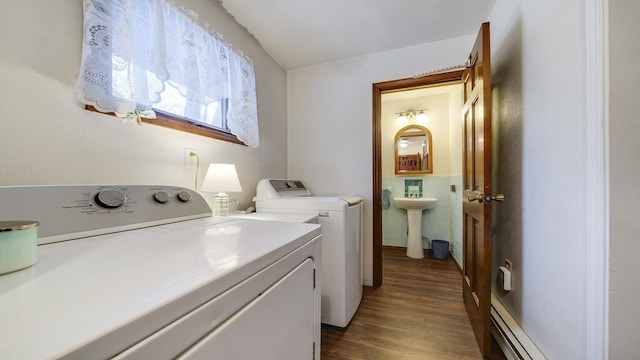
144, 272
341, 220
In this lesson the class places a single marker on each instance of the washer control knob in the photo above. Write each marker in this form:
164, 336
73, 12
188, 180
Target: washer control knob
184, 196
110, 199
161, 197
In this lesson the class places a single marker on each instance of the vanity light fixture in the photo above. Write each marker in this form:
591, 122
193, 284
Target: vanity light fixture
419, 115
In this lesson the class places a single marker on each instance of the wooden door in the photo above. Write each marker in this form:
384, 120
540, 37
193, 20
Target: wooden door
476, 182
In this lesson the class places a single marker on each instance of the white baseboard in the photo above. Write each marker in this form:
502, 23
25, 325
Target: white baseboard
513, 341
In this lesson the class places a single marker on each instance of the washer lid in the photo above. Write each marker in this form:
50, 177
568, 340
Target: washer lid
110, 290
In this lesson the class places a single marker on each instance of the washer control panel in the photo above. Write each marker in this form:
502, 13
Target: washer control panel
277, 188
287, 185
68, 212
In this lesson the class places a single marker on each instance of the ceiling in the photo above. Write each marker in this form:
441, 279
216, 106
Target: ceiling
301, 33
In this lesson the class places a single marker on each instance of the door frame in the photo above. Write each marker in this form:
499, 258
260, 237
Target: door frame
378, 89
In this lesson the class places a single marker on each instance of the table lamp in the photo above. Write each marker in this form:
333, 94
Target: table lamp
221, 178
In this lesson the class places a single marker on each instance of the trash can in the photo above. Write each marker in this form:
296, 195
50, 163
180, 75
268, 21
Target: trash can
440, 249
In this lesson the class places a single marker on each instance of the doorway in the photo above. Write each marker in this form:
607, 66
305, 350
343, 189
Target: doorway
393, 87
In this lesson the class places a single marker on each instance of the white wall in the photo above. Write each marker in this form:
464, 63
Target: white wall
624, 171
540, 147
47, 138
455, 161
330, 119
455, 130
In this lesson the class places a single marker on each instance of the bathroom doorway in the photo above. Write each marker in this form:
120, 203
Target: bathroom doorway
438, 96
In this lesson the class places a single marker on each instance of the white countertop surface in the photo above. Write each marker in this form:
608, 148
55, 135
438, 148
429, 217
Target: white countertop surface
81, 290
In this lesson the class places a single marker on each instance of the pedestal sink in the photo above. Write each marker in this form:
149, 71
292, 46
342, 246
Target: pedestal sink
414, 207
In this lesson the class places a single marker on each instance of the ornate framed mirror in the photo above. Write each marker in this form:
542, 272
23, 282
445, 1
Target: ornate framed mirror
413, 150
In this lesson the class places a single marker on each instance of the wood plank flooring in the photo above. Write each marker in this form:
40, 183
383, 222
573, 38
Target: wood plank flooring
417, 313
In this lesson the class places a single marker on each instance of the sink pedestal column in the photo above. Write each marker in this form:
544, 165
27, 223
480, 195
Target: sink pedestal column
414, 207
414, 241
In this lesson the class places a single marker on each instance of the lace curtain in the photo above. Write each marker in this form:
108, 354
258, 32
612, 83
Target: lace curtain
140, 54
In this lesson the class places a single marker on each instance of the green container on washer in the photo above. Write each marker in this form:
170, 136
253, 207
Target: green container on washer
18, 245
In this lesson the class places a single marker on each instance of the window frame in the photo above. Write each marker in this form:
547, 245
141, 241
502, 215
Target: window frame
183, 124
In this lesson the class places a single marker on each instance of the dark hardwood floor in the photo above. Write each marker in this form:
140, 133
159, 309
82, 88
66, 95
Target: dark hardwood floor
417, 313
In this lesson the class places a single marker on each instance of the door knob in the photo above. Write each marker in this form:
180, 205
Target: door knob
496, 197
480, 197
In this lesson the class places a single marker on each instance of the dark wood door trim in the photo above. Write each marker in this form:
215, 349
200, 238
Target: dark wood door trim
378, 90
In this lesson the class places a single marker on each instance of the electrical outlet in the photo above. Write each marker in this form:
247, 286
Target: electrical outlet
507, 264
189, 160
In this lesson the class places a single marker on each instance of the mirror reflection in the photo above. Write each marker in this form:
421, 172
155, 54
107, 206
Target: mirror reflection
413, 150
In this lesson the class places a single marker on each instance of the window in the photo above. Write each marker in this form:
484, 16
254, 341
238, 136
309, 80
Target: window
149, 60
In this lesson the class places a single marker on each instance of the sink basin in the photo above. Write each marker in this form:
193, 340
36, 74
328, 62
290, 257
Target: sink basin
420, 203
414, 207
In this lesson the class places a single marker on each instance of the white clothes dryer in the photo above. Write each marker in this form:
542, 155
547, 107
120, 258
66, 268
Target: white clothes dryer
342, 229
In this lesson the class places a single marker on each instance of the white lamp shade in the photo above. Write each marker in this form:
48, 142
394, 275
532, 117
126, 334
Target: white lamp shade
221, 178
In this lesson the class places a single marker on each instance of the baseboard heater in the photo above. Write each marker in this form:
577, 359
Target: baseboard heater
513, 341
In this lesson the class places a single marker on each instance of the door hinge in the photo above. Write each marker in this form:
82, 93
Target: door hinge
314, 350
314, 278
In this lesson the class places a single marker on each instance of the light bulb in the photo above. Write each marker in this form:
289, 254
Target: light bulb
422, 118
402, 120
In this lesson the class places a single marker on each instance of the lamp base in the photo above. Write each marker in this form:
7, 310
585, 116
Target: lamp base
221, 205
